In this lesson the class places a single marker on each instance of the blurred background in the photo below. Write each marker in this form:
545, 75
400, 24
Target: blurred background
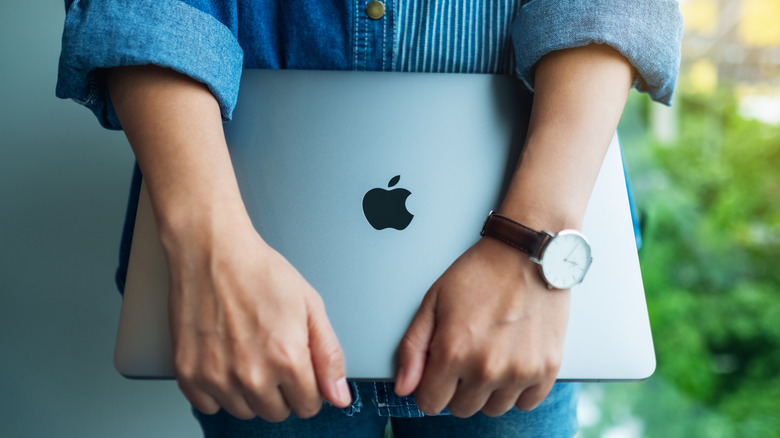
63, 189
703, 171
706, 175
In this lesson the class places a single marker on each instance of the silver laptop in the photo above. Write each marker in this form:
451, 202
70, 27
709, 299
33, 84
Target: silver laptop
372, 184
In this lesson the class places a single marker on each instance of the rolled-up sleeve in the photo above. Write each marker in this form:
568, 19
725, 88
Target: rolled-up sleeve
197, 42
647, 32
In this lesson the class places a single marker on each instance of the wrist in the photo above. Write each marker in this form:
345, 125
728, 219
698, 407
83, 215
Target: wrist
548, 192
541, 217
196, 220
543, 211
563, 258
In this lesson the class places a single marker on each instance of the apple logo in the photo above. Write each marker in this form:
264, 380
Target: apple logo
387, 208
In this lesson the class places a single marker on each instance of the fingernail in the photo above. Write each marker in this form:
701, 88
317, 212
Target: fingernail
342, 391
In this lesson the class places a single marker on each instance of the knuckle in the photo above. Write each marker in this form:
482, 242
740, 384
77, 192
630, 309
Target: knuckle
203, 376
333, 356
454, 351
410, 344
520, 371
407, 343
285, 355
210, 375
185, 370
491, 367
316, 303
489, 371
533, 368
288, 373
252, 379
186, 364
553, 364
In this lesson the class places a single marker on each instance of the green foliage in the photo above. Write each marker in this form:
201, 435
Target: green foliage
711, 203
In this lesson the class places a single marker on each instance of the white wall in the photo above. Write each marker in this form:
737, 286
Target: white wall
63, 188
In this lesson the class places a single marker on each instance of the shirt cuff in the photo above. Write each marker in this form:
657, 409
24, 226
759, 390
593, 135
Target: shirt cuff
647, 32
168, 33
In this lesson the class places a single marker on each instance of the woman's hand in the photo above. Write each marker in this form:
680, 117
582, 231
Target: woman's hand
250, 334
487, 337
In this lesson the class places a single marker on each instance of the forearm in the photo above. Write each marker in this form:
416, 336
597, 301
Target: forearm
249, 333
579, 97
174, 127
580, 94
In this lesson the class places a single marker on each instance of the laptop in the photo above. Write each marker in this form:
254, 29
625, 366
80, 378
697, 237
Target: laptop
371, 185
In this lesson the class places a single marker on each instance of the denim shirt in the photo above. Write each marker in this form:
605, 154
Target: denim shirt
213, 41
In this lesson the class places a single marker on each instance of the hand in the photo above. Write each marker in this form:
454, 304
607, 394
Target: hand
488, 336
250, 334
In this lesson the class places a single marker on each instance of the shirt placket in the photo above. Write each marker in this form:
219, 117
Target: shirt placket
373, 35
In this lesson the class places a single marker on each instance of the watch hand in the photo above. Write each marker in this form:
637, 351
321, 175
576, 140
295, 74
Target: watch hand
566, 259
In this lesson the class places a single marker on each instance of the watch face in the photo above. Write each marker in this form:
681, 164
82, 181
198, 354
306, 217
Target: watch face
565, 259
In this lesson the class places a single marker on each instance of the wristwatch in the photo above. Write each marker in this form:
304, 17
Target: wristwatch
563, 258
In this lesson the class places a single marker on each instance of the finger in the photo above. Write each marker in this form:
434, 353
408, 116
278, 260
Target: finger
468, 399
413, 349
533, 397
258, 387
238, 407
219, 387
195, 384
436, 388
443, 372
305, 402
235, 404
501, 401
300, 389
270, 405
208, 387
327, 357
200, 400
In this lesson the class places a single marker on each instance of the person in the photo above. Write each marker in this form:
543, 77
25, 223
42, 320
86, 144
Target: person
252, 340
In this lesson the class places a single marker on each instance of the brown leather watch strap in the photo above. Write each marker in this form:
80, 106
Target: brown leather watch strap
514, 234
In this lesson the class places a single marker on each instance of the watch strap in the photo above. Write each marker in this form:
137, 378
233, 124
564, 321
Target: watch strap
515, 234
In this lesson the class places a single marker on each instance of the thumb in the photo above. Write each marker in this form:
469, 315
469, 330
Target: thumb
413, 350
327, 357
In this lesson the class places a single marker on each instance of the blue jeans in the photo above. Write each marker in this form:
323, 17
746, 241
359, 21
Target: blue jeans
555, 417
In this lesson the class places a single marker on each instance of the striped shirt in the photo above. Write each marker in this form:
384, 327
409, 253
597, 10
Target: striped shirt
460, 36
444, 36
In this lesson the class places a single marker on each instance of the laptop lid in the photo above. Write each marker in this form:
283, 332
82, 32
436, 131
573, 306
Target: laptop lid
371, 185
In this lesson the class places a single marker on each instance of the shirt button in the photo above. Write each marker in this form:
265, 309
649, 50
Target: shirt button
375, 9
